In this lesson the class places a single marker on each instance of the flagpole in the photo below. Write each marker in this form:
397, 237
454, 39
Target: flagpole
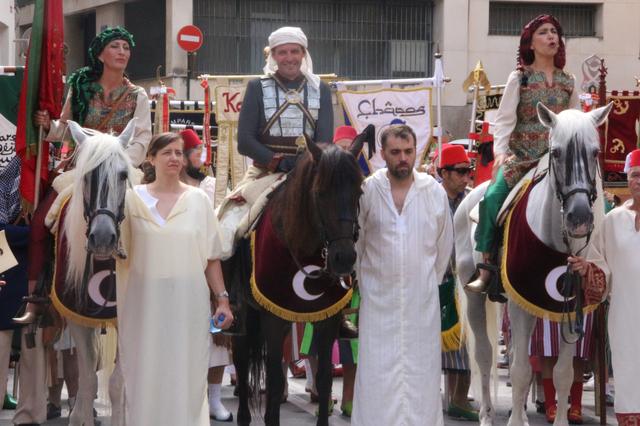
36, 197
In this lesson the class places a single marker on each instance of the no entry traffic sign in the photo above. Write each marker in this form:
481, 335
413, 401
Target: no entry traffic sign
190, 38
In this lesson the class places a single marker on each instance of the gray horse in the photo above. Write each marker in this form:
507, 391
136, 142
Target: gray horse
561, 212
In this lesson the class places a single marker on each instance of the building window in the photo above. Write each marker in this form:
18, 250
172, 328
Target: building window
356, 39
508, 18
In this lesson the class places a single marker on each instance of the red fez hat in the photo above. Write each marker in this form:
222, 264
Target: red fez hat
634, 158
345, 132
453, 154
435, 152
190, 138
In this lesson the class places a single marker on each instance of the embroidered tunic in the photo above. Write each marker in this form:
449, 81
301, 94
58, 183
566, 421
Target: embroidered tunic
518, 130
134, 104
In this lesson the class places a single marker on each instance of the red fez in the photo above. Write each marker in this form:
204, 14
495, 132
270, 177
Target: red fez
435, 152
190, 138
345, 132
634, 158
453, 154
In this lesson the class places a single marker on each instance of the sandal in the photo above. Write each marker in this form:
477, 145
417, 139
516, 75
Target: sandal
550, 413
575, 416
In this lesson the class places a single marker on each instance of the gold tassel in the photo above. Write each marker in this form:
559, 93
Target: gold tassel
286, 314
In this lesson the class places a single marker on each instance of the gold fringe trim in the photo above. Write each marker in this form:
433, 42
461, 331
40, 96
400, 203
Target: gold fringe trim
450, 338
523, 303
57, 303
286, 314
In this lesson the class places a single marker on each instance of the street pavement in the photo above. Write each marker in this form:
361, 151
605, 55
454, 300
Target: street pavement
298, 411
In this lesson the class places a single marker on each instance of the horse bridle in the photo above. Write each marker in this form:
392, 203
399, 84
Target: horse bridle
89, 215
572, 283
327, 240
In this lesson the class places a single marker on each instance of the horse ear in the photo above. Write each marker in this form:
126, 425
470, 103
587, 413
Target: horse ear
358, 142
547, 117
127, 134
314, 149
77, 133
599, 115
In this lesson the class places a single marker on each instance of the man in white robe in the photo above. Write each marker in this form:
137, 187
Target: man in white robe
612, 259
405, 244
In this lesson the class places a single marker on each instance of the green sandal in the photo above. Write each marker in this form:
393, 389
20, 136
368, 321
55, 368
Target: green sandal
346, 408
9, 402
462, 413
330, 408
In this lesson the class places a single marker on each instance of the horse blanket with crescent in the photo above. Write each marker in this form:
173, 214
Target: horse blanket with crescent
98, 309
281, 288
532, 272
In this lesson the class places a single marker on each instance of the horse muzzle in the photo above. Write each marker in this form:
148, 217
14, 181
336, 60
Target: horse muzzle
102, 239
341, 257
578, 219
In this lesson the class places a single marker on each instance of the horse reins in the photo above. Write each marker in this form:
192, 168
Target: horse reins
572, 282
89, 216
327, 241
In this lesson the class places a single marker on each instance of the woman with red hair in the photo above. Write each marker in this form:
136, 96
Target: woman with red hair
520, 140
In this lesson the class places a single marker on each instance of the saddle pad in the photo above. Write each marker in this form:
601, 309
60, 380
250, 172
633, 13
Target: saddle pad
532, 273
280, 288
95, 308
532, 175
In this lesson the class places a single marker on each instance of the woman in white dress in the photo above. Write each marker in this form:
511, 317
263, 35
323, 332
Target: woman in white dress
171, 237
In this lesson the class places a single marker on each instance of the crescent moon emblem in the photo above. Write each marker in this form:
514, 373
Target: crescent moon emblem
94, 290
551, 283
298, 284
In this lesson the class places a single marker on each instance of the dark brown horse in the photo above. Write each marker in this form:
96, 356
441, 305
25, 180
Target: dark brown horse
313, 215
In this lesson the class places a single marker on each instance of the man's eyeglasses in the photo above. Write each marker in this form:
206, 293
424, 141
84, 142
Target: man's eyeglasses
459, 170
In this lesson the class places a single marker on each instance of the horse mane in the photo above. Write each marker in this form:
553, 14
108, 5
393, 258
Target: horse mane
104, 154
296, 217
574, 124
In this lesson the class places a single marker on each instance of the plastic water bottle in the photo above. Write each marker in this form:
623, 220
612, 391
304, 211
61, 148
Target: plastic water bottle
212, 324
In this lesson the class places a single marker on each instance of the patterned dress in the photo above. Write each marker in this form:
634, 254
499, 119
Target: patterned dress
100, 107
528, 141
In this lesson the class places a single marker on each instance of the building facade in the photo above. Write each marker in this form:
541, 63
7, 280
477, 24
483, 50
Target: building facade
356, 39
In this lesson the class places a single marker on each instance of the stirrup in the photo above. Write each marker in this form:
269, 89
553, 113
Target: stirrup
478, 285
30, 316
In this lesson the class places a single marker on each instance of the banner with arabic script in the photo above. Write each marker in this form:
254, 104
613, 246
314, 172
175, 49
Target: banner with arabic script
380, 107
620, 133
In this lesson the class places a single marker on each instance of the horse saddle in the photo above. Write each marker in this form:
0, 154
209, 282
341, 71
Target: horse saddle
532, 175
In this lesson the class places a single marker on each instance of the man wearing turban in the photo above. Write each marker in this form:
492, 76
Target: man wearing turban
287, 103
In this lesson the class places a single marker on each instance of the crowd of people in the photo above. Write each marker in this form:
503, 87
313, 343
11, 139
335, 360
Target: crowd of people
171, 282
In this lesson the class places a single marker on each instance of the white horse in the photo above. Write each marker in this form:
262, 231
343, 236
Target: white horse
91, 228
561, 210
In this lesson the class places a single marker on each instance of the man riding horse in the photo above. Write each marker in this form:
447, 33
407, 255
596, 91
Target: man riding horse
279, 109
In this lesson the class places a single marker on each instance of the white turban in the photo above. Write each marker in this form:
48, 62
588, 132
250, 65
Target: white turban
287, 35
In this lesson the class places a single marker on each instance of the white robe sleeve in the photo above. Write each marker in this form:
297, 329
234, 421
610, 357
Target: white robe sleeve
362, 221
506, 118
137, 148
445, 236
58, 127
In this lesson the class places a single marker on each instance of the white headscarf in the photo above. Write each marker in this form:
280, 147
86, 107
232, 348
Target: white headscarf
286, 35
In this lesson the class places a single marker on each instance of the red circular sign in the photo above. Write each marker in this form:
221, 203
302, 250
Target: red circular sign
190, 38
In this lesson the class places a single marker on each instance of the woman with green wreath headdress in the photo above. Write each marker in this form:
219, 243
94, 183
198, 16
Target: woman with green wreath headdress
102, 98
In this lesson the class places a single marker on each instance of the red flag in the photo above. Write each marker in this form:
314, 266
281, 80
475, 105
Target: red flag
42, 88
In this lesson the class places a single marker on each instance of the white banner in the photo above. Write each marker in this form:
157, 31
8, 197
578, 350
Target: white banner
380, 107
7, 141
